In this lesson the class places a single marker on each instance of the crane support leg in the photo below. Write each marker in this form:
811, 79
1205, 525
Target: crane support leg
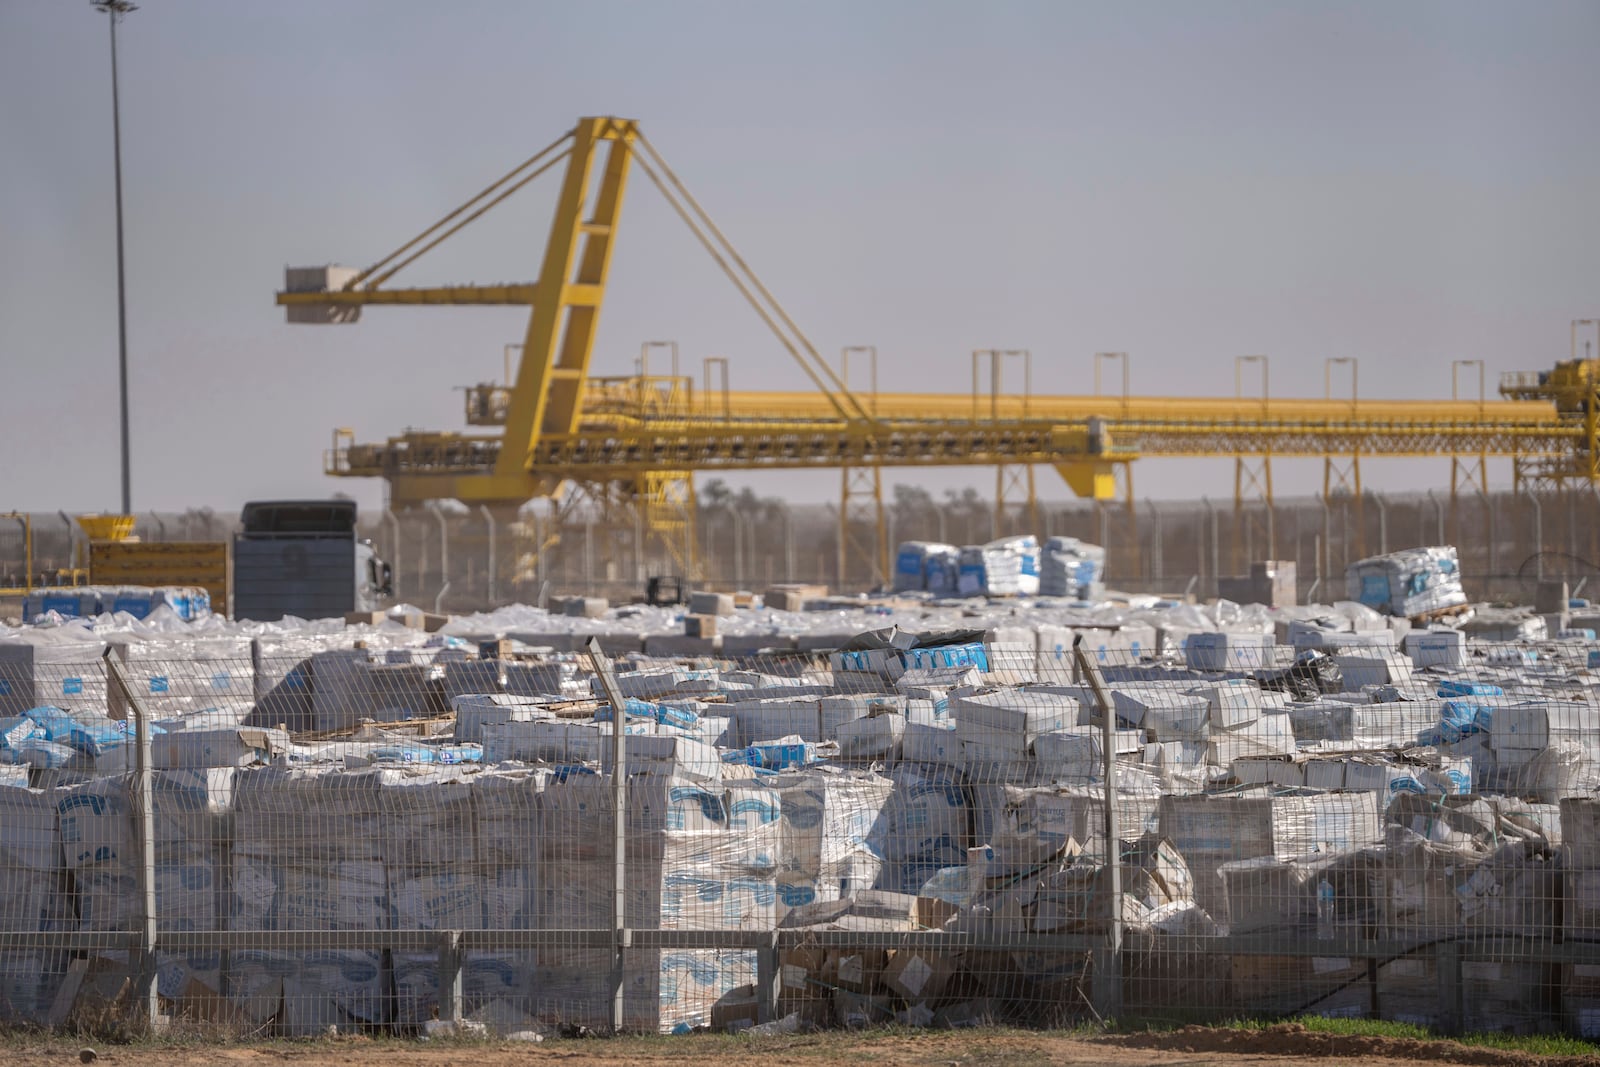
547, 397
1254, 530
1011, 482
1469, 477
1341, 477
665, 504
863, 528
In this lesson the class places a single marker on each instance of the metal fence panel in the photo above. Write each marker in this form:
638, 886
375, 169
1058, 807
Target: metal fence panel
1044, 824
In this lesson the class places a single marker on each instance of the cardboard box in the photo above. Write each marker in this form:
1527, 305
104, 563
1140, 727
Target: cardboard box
216, 748
931, 913
700, 626
1228, 651
587, 607
1521, 731
1271, 770
874, 736
1011, 719
1362, 670
704, 603
1072, 753
1164, 715
917, 975
922, 743
1270, 735
792, 596
736, 1009
1231, 703
858, 972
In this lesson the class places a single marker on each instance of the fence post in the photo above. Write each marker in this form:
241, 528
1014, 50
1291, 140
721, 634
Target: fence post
768, 979
1447, 962
1107, 980
450, 988
494, 562
619, 826
145, 993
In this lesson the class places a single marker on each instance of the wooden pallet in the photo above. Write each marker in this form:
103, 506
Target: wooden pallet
1442, 613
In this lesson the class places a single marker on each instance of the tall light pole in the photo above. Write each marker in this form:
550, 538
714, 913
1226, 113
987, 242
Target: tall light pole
116, 9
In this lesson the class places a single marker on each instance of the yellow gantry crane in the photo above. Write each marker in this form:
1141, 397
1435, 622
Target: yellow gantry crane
633, 444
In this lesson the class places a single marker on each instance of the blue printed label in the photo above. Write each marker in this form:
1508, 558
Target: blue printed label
72, 686
160, 684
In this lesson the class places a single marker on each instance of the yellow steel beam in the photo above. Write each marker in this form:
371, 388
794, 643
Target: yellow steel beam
893, 406
547, 397
510, 294
460, 463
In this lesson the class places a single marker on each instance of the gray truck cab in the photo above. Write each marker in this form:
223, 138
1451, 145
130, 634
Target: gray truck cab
303, 558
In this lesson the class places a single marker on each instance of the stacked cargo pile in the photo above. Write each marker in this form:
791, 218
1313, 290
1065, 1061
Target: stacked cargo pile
702, 855
189, 603
1323, 788
1007, 567
926, 565
1418, 581
307, 858
34, 897
1072, 568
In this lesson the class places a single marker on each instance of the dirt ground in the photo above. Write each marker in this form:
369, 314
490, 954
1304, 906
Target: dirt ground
1286, 1046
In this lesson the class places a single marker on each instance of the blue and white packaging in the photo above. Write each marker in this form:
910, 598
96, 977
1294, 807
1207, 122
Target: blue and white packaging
1225, 651
1409, 583
1071, 755
66, 673
1436, 648
934, 743
1071, 568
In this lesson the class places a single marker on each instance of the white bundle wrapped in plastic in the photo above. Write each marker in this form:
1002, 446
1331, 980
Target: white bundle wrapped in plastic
1007, 567
140, 601
1210, 830
701, 856
181, 677
832, 834
1409, 583
1071, 568
51, 667
941, 570
970, 577
911, 564
32, 898
308, 855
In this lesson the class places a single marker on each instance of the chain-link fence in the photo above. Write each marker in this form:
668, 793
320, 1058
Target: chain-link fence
1040, 825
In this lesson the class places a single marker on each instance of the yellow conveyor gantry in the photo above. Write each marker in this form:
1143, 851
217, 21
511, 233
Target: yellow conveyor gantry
638, 442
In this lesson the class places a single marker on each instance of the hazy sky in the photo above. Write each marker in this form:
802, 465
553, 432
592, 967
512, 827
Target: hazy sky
1408, 183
